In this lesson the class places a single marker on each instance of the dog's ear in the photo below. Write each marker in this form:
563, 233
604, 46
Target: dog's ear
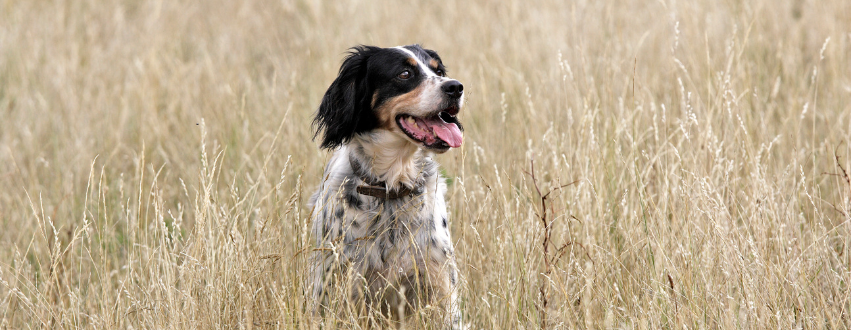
345, 109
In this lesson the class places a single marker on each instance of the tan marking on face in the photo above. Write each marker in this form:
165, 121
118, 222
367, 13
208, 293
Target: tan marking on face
412, 61
432, 63
374, 99
389, 109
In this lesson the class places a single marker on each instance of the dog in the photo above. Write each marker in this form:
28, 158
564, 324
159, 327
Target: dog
379, 216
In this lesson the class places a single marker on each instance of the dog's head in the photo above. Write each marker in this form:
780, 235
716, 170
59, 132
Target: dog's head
403, 90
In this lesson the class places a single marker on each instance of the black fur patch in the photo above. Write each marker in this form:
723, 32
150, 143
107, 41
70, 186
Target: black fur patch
351, 194
345, 108
353, 200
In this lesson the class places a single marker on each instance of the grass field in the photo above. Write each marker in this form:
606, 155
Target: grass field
156, 160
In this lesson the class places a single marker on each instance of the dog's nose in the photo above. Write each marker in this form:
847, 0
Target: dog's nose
453, 88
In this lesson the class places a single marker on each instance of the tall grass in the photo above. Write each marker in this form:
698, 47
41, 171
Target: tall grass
156, 158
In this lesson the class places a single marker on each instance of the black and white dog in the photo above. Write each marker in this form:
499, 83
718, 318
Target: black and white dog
379, 216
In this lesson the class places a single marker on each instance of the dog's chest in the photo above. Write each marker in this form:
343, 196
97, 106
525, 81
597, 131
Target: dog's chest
398, 234
380, 236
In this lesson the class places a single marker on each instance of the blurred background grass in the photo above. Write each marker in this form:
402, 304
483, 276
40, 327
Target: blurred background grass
156, 158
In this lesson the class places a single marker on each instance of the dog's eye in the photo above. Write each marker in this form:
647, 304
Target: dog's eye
440, 72
404, 75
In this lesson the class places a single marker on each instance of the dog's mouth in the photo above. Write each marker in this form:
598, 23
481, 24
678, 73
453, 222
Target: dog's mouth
440, 131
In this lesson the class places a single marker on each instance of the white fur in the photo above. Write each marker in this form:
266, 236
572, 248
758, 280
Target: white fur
422, 65
392, 156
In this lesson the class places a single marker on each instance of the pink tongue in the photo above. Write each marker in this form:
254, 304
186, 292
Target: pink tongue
448, 132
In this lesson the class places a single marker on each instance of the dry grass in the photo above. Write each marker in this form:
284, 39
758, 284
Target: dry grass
155, 159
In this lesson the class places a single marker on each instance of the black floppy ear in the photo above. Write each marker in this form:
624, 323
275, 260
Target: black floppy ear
345, 109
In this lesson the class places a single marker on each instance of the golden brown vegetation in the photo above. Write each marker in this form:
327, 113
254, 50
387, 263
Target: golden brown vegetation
156, 158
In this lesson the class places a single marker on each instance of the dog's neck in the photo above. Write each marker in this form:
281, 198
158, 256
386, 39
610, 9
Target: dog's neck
389, 158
